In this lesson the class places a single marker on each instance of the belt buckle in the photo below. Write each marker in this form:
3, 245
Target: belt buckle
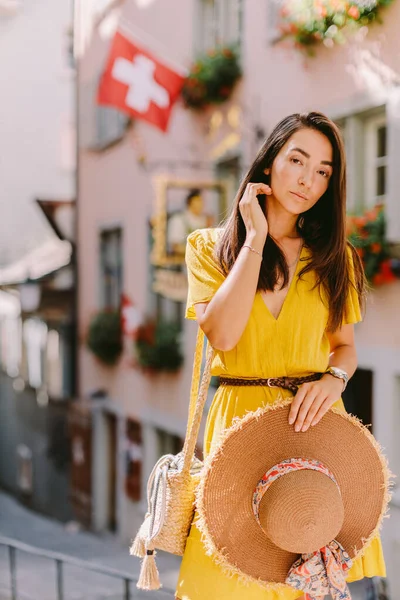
269, 382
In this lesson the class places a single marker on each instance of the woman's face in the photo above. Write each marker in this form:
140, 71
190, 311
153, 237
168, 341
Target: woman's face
301, 171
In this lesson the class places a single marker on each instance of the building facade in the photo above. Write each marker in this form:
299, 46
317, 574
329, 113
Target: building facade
129, 171
37, 130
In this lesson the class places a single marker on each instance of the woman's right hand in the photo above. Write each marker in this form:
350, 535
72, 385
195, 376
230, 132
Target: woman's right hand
252, 214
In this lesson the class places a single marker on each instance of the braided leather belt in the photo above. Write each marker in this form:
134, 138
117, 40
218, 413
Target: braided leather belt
287, 383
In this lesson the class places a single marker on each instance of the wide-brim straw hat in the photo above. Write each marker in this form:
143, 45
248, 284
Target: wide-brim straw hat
299, 511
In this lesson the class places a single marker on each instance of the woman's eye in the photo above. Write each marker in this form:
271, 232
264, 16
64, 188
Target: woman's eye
296, 161
323, 173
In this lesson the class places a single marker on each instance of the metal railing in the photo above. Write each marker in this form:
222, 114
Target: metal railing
60, 560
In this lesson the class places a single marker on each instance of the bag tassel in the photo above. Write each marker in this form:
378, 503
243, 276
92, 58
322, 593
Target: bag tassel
149, 578
138, 547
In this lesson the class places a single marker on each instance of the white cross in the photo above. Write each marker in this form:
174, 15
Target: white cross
139, 76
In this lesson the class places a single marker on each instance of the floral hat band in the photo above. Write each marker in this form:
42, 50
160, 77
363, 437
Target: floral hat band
284, 467
317, 573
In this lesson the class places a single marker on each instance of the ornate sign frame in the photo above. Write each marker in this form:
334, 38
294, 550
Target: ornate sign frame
159, 256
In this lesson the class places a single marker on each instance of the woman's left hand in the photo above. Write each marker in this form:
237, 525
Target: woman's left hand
313, 400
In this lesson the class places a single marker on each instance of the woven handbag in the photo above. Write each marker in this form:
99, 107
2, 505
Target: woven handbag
172, 483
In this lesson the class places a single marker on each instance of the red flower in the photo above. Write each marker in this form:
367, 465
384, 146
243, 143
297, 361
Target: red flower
386, 272
372, 214
360, 221
354, 12
378, 279
376, 248
146, 333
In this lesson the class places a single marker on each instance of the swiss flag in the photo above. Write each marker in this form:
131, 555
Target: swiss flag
138, 83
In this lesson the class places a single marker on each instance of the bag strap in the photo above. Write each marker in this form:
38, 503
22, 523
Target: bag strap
198, 397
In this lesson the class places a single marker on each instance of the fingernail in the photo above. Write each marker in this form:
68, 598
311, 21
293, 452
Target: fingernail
291, 421
305, 428
297, 428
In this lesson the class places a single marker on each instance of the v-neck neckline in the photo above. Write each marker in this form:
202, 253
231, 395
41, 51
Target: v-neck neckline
291, 285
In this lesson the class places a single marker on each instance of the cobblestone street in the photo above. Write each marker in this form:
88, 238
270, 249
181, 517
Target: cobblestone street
37, 577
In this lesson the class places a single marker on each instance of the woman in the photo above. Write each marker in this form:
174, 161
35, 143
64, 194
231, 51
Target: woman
277, 291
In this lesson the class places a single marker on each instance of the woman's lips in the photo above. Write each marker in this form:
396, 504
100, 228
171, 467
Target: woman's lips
301, 196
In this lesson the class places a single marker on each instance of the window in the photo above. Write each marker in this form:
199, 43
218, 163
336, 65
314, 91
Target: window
35, 339
10, 345
99, 126
358, 396
111, 268
376, 160
365, 139
111, 125
167, 443
220, 23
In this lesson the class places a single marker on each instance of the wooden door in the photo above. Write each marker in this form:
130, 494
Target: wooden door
80, 432
111, 421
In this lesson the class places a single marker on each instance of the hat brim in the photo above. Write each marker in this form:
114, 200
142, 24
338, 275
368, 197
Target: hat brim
254, 444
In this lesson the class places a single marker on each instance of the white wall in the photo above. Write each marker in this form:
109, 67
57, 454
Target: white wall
36, 104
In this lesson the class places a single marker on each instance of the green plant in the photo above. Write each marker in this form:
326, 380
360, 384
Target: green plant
158, 346
311, 22
212, 78
104, 337
368, 234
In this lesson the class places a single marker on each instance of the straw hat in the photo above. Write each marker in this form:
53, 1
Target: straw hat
269, 494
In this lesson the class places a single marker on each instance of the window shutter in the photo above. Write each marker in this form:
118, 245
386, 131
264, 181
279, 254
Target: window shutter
393, 175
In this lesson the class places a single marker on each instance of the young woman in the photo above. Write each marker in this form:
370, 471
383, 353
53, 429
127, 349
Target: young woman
277, 291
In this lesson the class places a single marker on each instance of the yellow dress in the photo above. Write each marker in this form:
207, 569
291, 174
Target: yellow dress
294, 344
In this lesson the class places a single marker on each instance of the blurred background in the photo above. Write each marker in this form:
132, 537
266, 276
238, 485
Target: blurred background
124, 126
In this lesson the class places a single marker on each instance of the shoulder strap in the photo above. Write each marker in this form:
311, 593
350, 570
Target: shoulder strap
198, 397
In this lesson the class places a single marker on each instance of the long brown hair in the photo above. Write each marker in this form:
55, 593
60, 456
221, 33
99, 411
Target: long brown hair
322, 227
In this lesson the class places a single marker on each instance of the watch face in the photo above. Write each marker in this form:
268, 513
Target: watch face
339, 373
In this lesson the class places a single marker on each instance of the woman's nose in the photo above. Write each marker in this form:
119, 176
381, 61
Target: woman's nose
306, 179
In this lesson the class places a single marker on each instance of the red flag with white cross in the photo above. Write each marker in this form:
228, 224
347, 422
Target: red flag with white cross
138, 83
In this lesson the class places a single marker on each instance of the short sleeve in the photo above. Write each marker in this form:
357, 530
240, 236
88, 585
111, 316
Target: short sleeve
204, 275
353, 311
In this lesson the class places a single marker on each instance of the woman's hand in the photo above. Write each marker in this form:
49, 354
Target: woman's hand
254, 219
313, 400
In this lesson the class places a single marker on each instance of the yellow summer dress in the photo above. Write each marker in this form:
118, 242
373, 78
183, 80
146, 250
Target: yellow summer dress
294, 344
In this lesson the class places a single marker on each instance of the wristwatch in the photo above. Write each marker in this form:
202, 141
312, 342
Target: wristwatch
340, 374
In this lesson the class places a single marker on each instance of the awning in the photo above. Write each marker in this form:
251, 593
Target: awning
47, 258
